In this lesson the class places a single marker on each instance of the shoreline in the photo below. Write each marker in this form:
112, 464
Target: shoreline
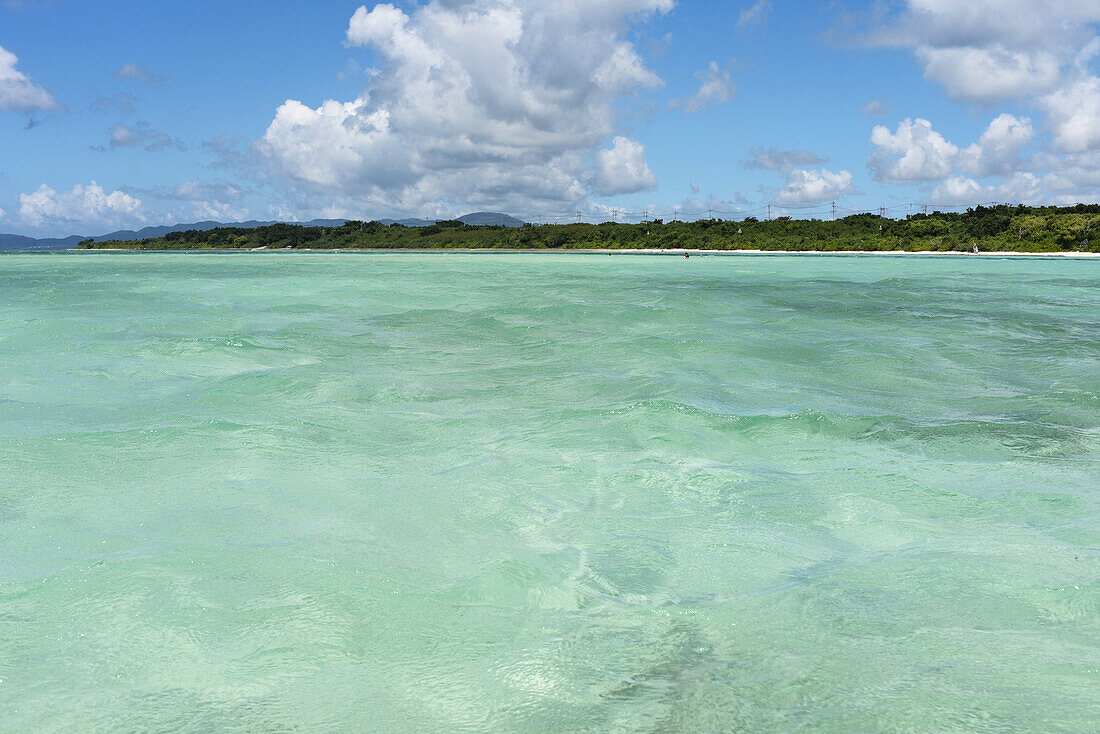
593, 251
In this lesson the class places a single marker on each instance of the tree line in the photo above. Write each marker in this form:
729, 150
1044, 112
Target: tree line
1003, 228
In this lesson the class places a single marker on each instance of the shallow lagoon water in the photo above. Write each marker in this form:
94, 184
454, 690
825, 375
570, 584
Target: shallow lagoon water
548, 493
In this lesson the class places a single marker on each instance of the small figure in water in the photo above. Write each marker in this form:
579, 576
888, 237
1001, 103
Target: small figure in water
686, 255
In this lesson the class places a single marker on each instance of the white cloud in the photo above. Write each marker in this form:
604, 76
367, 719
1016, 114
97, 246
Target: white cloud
813, 187
756, 14
989, 50
623, 169
2, 214
915, 152
131, 72
1073, 115
958, 190
1037, 52
989, 74
477, 104
1023, 188
1001, 166
997, 152
1075, 177
715, 87
90, 209
17, 92
80, 208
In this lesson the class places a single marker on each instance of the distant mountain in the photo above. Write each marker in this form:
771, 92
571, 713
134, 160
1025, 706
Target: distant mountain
19, 242
490, 219
409, 222
127, 235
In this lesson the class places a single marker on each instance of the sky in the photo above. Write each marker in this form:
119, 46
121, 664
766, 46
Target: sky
125, 113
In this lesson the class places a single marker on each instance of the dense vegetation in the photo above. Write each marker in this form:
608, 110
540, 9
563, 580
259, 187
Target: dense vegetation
998, 228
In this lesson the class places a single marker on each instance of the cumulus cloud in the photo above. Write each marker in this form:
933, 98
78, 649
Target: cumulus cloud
144, 136
813, 187
17, 92
956, 190
1073, 177
776, 159
1073, 114
715, 87
997, 152
1036, 51
756, 14
990, 50
79, 208
505, 103
623, 169
1001, 166
131, 72
989, 75
915, 152
1024, 188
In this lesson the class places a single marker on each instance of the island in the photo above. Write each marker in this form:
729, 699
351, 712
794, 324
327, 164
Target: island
1002, 228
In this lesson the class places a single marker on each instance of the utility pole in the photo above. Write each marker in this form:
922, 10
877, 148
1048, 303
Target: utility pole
769, 212
834, 211
578, 216
710, 214
882, 212
926, 209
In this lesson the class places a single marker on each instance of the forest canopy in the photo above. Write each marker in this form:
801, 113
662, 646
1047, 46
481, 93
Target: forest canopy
1001, 228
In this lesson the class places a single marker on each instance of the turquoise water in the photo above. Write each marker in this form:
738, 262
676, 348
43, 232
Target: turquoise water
548, 493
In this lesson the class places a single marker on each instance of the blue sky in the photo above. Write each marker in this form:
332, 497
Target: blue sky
122, 114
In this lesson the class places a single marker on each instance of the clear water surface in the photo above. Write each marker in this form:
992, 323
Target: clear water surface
548, 493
